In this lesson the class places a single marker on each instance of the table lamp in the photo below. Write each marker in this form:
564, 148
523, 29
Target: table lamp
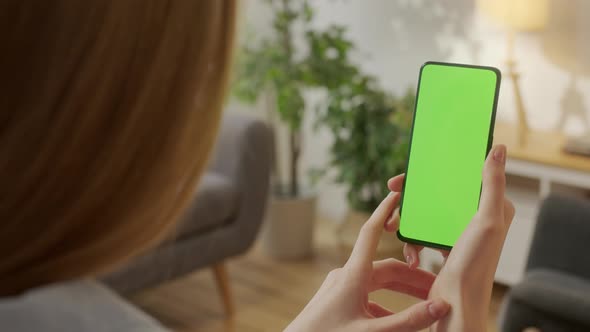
565, 45
517, 16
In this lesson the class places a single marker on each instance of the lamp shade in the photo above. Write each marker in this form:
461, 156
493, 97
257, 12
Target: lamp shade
520, 15
565, 39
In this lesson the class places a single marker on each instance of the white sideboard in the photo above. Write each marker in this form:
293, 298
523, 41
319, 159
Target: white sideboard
534, 170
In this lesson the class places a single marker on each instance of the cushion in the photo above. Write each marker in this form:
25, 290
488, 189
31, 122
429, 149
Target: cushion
73, 307
563, 295
214, 205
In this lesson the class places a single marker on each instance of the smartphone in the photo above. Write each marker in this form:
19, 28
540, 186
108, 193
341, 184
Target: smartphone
452, 133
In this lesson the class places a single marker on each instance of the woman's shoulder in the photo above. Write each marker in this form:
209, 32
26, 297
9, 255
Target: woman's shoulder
83, 305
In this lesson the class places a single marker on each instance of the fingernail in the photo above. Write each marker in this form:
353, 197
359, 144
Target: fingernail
409, 260
438, 308
500, 154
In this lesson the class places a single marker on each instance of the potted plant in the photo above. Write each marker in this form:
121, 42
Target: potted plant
274, 67
371, 135
370, 127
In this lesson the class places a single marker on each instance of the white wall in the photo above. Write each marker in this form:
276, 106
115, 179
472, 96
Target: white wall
395, 37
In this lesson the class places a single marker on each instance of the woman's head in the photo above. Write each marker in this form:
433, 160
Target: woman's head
108, 109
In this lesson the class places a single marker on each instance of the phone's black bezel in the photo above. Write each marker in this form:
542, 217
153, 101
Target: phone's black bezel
490, 139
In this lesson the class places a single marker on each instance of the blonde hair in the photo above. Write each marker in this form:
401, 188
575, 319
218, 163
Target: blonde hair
108, 110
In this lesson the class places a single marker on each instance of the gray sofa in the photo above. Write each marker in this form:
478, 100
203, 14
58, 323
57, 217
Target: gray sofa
222, 222
555, 293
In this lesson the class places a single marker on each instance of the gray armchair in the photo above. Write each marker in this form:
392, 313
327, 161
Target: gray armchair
224, 217
555, 293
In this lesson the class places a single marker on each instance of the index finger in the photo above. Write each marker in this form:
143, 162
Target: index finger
396, 183
365, 247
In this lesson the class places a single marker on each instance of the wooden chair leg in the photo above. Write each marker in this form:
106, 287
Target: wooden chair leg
224, 287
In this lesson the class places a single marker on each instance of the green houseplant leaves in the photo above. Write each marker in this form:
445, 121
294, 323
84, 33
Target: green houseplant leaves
369, 125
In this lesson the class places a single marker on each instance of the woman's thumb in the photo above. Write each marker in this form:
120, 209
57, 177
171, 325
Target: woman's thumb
494, 182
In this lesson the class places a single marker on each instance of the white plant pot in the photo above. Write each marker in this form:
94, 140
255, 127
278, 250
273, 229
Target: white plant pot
288, 230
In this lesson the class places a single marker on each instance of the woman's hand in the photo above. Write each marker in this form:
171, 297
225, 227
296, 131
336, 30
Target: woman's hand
467, 276
342, 302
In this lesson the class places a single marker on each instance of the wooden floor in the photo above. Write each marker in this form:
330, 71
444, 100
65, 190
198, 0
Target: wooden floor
268, 293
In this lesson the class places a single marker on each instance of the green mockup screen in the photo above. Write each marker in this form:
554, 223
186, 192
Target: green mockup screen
453, 124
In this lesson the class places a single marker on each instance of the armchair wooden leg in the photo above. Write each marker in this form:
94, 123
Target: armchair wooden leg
224, 287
